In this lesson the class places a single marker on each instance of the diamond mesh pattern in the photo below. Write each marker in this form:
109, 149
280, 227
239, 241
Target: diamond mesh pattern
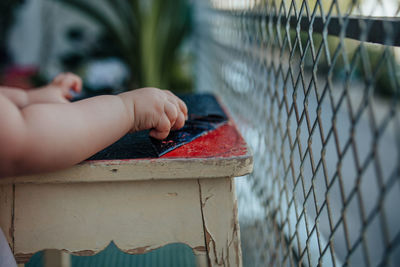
314, 87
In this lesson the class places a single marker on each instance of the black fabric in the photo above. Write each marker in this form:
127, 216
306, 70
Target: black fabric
205, 114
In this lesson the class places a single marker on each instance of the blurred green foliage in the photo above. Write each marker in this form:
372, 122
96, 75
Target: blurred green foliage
147, 36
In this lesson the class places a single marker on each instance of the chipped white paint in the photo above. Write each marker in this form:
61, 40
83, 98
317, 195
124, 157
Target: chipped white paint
138, 216
85, 218
143, 169
140, 205
220, 220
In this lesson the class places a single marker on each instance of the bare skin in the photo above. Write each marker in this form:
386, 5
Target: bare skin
58, 91
42, 131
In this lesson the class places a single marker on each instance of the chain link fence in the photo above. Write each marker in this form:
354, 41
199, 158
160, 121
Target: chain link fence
314, 88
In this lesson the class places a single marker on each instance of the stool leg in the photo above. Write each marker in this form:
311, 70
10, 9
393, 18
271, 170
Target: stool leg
221, 227
201, 260
56, 258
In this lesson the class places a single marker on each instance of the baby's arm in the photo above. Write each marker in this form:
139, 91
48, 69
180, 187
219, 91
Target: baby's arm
47, 137
16, 95
58, 91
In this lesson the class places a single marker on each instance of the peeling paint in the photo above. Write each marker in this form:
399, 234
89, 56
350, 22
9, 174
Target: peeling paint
206, 238
210, 243
143, 169
140, 250
207, 198
200, 249
222, 236
82, 252
174, 194
23, 257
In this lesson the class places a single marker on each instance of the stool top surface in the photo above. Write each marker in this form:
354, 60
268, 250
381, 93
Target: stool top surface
217, 153
207, 119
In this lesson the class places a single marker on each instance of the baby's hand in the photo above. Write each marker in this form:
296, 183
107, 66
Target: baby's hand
65, 82
58, 91
155, 109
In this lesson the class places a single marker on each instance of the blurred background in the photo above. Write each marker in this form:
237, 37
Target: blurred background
313, 85
113, 45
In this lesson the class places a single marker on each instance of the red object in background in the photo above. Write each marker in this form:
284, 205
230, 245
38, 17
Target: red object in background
225, 141
19, 76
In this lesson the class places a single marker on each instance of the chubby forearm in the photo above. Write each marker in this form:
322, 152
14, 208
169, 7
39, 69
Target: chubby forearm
55, 136
51, 136
16, 95
22, 98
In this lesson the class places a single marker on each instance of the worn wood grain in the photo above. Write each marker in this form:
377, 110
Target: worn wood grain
221, 227
143, 169
6, 212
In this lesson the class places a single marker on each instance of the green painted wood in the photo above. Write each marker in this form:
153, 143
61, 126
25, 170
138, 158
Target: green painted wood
172, 255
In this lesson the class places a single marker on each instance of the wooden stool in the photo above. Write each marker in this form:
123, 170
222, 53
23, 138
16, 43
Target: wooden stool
186, 196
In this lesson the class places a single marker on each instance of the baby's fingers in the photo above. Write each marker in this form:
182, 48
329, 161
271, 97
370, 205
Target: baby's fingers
176, 115
181, 105
161, 130
77, 84
183, 108
171, 110
158, 135
68, 81
180, 121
